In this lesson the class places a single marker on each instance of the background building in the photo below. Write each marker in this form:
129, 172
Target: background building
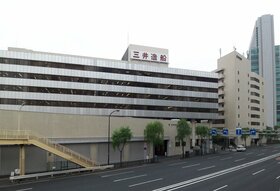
68, 99
262, 56
277, 75
241, 94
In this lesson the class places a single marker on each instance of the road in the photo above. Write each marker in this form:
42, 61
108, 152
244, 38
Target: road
256, 169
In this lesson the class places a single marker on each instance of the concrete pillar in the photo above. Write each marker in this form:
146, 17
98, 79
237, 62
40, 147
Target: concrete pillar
22, 159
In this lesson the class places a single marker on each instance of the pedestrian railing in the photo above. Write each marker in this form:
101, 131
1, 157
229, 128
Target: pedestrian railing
46, 144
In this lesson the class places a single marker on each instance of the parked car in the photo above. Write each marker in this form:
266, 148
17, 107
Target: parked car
231, 148
240, 148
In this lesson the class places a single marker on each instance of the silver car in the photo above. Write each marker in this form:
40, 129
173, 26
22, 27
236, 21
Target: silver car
240, 148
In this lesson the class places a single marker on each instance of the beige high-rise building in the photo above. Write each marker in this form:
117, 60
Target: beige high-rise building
241, 94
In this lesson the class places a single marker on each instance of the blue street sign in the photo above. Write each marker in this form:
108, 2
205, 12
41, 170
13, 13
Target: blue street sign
252, 131
225, 131
238, 131
213, 132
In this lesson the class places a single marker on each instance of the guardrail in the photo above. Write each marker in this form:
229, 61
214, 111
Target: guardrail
27, 135
52, 173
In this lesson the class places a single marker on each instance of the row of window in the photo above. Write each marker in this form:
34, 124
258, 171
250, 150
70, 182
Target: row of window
255, 116
255, 123
255, 94
104, 81
255, 86
103, 93
255, 109
255, 101
255, 79
104, 105
104, 69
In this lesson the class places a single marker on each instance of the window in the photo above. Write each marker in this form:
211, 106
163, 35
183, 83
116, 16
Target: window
177, 144
255, 86
255, 123
255, 109
255, 116
255, 79
255, 101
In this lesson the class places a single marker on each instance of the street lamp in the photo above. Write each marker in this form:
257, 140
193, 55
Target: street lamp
109, 128
23, 103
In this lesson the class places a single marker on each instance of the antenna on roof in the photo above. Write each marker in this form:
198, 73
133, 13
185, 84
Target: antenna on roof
128, 38
220, 52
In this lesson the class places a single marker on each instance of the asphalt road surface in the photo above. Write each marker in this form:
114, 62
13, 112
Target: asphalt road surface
256, 169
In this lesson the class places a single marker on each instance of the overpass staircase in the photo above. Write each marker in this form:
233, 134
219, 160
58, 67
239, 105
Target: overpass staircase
25, 137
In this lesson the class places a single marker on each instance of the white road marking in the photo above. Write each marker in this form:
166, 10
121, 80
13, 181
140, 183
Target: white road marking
226, 158
260, 154
25, 189
191, 165
196, 180
221, 188
132, 177
277, 177
129, 168
178, 163
258, 172
239, 160
213, 157
249, 153
206, 168
109, 175
141, 183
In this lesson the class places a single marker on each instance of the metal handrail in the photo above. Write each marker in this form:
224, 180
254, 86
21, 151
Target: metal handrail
27, 135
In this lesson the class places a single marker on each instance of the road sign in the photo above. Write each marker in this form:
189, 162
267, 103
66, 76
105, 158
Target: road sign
238, 131
213, 132
252, 131
225, 131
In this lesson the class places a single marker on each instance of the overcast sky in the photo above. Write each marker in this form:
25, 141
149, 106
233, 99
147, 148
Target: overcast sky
192, 30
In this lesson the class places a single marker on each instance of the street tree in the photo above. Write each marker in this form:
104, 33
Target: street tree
154, 134
202, 132
120, 137
245, 134
183, 130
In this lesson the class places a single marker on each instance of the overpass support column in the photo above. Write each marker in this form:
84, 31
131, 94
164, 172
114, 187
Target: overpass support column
22, 159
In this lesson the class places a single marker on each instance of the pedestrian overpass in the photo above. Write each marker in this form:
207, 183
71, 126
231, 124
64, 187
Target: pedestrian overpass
25, 137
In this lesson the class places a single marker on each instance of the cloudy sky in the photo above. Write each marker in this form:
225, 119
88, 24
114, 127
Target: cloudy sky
193, 31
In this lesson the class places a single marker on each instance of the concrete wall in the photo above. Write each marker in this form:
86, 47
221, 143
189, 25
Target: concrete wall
84, 134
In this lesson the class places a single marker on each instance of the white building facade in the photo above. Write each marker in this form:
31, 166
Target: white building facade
68, 99
241, 94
